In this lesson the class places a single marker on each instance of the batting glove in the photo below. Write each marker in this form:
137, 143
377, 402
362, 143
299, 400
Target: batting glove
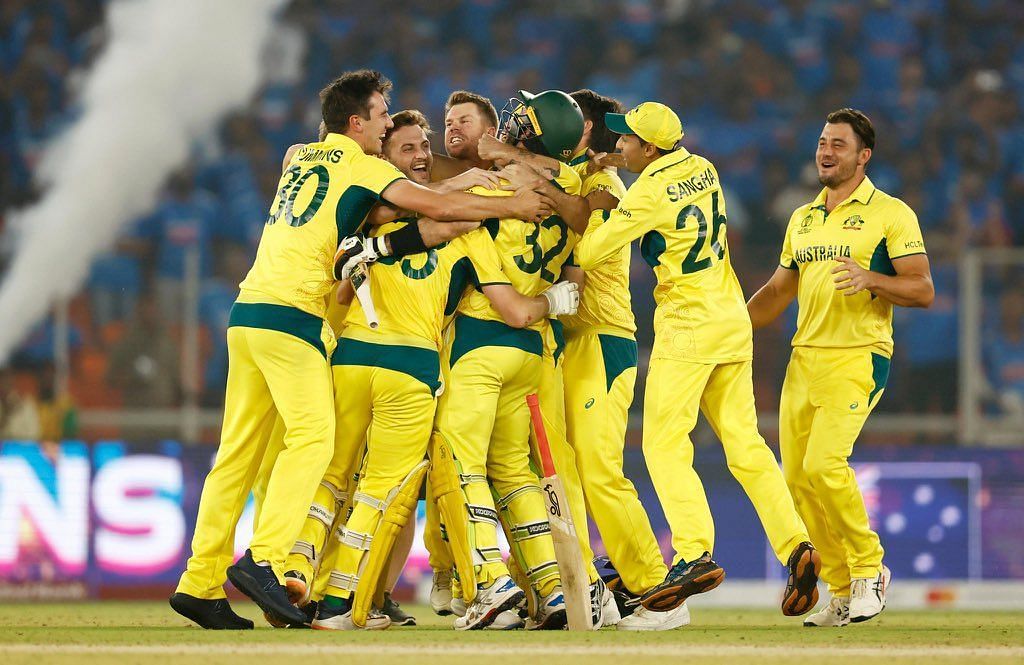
563, 298
355, 250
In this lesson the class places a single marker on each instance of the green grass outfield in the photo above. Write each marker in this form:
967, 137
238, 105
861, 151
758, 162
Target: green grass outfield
150, 633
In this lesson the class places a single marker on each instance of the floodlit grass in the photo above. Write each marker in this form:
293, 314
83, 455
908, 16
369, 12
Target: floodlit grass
148, 633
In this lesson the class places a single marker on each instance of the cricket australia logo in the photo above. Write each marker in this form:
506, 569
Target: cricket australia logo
805, 225
854, 223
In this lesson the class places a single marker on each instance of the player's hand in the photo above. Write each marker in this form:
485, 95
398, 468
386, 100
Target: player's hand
355, 250
851, 278
599, 160
491, 148
474, 177
563, 298
520, 176
531, 205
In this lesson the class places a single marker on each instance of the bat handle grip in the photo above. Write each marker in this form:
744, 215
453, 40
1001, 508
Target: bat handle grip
542, 436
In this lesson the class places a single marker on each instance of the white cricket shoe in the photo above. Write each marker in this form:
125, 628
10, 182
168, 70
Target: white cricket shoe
458, 607
836, 614
327, 619
501, 595
441, 593
507, 620
645, 619
551, 613
867, 596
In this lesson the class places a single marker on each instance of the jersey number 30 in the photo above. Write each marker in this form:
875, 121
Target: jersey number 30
292, 182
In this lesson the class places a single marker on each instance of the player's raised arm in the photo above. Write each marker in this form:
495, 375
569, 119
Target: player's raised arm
292, 149
626, 223
460, 206
774, 297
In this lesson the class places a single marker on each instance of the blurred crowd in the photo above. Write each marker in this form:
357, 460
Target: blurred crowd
943, 81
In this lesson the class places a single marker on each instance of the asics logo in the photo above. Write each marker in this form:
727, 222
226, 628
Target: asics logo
590, 403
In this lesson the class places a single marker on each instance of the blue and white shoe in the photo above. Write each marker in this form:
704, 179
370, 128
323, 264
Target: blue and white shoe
501, 595
550, 613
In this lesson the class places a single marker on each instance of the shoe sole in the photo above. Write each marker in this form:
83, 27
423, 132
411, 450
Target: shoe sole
274, 623
489, 618
802, 586
247, 584
297, 591
814, 625
351, 630
867, 618
443, 613
670, 597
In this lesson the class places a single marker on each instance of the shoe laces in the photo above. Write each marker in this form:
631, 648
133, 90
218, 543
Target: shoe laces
859, 588
683, 565
836, 604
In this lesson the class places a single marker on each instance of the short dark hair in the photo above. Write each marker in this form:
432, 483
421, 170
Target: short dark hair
349, 95
483, 104
594, 106
407, 118
860, 123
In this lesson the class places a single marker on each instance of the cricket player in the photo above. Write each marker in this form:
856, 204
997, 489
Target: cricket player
848, 257
701, 357
600, 377
279, 345
470, 123
391, 378
483, 425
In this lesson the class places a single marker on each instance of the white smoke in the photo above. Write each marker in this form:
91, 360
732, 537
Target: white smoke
170, 70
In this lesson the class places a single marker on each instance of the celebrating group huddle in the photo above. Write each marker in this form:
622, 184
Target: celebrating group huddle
400, 311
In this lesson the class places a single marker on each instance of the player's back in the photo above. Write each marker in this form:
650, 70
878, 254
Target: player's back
532, 255
701, 313
413, 294
323, 195
605, 304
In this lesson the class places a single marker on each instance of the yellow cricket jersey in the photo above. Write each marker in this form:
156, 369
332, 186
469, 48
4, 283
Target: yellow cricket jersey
677, 206
323, 196
336, 312
532, 255
605, 305
413, 294
872, 228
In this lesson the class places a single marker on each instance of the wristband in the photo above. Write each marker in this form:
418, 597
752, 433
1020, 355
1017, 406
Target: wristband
406, 240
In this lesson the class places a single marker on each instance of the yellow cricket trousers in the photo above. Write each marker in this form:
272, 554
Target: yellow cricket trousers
826, 398
483, 415
277, 366
385, 397
725, 393
600, 375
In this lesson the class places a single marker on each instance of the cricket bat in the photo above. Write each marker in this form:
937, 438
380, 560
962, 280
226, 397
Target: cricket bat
361, 283
575, 582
